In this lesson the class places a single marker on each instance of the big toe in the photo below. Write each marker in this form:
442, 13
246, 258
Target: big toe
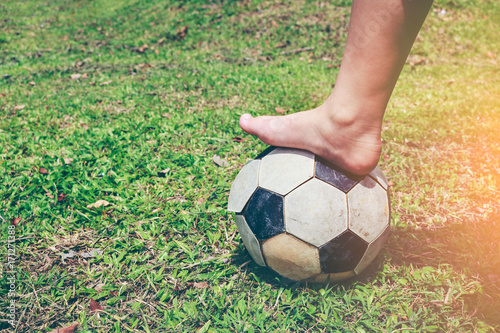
269, 129
260, 126
247, 123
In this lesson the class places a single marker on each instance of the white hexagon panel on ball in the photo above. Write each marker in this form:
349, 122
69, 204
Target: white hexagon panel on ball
368, 204
316, 212
284, 169
249, 239
244, 186
372, 250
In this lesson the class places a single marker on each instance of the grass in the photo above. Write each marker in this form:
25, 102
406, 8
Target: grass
96, 98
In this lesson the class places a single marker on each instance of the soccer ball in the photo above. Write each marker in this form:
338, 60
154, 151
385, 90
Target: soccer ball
307, 220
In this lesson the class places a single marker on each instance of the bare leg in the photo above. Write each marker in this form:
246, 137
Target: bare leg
346, 128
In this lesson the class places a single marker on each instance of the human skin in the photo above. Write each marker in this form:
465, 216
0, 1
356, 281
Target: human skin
346, 128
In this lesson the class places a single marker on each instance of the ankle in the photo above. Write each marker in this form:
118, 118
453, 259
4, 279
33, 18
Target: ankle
352, 111
360, 121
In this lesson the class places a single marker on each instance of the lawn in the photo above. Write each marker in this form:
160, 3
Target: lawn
111, 115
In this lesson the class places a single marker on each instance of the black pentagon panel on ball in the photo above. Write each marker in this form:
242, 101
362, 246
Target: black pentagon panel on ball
265, 152
334, 177
264, 214
342, 253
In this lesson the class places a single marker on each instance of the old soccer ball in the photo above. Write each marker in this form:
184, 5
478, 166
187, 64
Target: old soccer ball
306, 220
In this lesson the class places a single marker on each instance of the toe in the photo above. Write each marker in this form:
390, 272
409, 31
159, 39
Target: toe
259, 126
273, 130
246, 123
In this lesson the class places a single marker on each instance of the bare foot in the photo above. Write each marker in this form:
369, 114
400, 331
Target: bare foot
351, 143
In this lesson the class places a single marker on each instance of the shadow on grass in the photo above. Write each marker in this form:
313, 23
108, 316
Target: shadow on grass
470, 247
268, 276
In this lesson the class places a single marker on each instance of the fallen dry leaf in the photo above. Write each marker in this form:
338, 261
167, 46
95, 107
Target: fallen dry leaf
414, 60
75, 76
94, 305
105, 83
67, 160
239, 139
60, 197
200, 285
163, 173
85, 126
67, 329
219, 161
152, 142
98, 203
280, 110
181, 33
15, 221
143, 48
43, 171
49, 195
18, 107
32, 83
